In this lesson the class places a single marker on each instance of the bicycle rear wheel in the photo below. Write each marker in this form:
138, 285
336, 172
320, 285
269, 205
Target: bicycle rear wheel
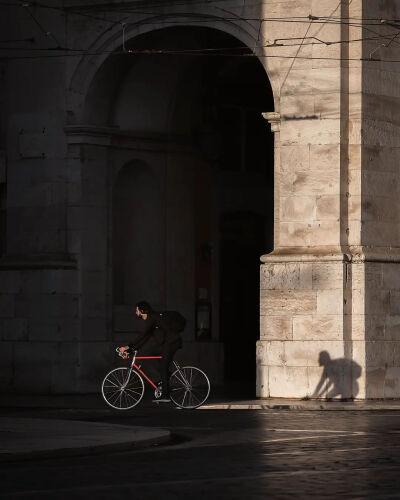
120, 393
189, 387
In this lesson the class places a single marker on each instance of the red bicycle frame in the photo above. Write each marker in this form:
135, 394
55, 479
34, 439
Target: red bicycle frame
137, 368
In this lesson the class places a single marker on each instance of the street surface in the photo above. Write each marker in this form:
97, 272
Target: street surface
222, 454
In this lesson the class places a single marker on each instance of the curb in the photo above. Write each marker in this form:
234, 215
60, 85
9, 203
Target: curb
296, 406
113, 436
83, 451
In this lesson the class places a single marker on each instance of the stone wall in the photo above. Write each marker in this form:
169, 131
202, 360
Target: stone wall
301, 316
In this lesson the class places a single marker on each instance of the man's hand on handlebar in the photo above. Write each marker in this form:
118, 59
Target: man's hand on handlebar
123, 351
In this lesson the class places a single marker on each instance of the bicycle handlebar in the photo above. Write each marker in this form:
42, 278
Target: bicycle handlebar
121, 354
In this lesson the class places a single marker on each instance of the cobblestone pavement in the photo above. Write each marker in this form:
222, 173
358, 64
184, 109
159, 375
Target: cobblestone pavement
228, 455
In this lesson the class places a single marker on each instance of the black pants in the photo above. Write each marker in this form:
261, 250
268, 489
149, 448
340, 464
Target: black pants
167, 351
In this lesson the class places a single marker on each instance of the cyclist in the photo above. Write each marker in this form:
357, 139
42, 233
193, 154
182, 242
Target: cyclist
160, 338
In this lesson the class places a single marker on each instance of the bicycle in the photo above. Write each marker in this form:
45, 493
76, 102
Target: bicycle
123, 388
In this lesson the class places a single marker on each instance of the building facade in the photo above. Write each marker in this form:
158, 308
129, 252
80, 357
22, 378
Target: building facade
155, 150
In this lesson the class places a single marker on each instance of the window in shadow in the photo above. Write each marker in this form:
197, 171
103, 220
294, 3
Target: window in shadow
339, 378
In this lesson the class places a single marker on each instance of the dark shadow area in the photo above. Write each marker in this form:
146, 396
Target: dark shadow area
242, 242
192, 199
339, 378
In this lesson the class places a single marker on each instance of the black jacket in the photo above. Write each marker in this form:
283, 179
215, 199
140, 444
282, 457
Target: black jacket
160, 328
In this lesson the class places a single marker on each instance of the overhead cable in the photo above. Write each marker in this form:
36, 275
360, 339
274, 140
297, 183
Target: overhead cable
198, 54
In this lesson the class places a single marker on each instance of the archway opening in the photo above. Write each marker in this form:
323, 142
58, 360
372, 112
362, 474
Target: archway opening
193, 187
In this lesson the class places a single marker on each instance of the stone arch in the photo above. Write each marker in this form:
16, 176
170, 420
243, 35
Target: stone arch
88, 66
180, 178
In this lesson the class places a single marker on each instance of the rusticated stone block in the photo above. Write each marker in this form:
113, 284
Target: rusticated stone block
358, 352
311, 182
15, 329
295, 157
7, 306
374, 327
280, 277
317, 233
288, 381
380, 301
330, 302
30, 282
392, 382
6, 379
6, 355
381, 233
297, 208
10, 281
284, 303
358, 325
327, 276
68, 354
314, 376
391, 276
262, 387
275, 328
318, 327
325, 157
58, 329
94, 329
328, 207
59, 281
35, 353
271, 352
47, 306
392, 327
375, 382
358, 302
64, 379
94, 362
314, 81
33, 378
307, 353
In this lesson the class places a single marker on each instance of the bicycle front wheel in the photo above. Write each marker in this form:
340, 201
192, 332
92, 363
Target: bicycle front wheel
121, 393
189, 387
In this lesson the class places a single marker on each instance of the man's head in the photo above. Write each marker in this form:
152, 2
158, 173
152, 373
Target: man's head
324, 358
142, 309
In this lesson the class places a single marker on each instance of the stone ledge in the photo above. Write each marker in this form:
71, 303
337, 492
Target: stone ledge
354, 254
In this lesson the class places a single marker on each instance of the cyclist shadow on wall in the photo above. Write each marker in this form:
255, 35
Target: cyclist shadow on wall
339, 378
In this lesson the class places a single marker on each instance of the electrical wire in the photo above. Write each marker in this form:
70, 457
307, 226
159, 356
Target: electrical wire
294, 19
192, 53
60, 9
216, 49
314, 19
297, 53
43, 30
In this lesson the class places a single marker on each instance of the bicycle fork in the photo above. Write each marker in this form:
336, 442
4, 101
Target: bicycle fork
127, 378
183, 378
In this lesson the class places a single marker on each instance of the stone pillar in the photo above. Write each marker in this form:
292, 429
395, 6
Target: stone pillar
304, 338
330, 291
274, 119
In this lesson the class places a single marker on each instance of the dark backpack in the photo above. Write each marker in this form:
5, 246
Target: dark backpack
173, 320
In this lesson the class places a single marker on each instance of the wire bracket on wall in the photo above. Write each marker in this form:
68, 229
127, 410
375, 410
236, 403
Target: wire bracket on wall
385, 45
123, 37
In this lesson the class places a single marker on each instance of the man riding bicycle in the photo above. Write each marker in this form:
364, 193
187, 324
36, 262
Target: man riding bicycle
160, 338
